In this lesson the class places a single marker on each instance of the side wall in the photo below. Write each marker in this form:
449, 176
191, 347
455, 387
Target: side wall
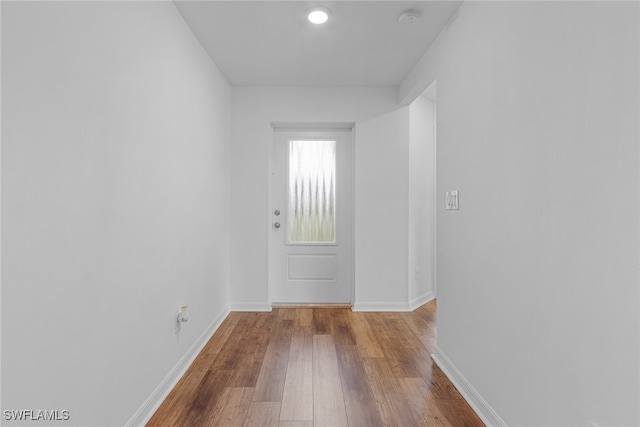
421, 202
381, 186
115, 147
538, 127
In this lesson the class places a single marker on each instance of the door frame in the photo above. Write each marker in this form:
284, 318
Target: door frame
311, 127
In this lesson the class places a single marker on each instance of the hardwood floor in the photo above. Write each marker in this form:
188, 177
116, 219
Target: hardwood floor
318, 367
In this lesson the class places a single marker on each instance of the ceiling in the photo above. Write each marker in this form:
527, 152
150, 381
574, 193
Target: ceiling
271, 43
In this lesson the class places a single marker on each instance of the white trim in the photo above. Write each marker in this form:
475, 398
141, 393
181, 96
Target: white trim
421, 300
434, 222
310, 129
470, 394
311, 126
354, 196
153, 402
380, 306
394, 306
250, 306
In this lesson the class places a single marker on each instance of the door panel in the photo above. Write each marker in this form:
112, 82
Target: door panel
312, 267
311, 242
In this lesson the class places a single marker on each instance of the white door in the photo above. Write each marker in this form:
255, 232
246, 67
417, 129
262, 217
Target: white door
311, 242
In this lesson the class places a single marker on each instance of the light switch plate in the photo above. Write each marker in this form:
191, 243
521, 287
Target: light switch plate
452, 200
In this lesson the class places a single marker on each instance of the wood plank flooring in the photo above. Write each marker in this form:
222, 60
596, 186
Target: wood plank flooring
326, 367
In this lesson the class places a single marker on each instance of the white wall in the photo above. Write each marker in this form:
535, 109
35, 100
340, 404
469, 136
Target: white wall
421, 201
114, 203
538, 127
381, 186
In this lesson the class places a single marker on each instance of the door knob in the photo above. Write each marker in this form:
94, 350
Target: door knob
276, 225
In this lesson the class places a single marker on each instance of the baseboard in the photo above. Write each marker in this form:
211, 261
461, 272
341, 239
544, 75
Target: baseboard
473, 398
153, 402
380, 306
394, 306
250, 306
421, 300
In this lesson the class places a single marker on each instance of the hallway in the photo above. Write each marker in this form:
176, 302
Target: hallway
318, 366
137, 178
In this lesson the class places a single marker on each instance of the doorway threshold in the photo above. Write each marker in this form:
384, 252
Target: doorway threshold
310, 305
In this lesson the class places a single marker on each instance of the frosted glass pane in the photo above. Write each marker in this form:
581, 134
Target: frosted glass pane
312, 191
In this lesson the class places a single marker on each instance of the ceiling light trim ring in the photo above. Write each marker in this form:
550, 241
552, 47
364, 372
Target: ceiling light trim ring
318, 15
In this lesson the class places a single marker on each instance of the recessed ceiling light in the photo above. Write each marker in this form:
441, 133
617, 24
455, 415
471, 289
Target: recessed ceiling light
318, 15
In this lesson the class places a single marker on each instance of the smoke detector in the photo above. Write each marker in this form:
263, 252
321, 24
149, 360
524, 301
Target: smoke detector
409, 17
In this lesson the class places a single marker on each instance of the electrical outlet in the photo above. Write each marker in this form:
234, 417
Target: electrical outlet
182, 316
452, 200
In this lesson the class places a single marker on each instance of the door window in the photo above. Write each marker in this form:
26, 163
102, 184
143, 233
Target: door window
312, 192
